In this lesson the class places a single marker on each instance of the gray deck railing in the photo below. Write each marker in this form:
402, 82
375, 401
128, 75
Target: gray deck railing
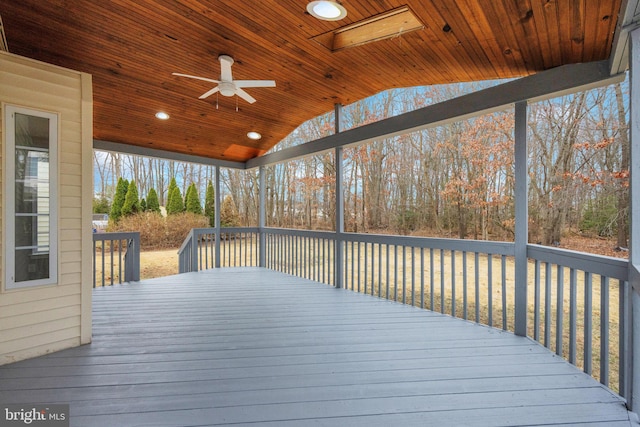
204, 249
118, 260
302, 253
578, 303
594, 292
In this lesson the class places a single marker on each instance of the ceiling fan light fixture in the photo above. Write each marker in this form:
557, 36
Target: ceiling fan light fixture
162, 115
227, 88
254, 135
327, 10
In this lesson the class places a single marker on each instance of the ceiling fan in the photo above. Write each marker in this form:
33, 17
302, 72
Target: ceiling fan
226, 85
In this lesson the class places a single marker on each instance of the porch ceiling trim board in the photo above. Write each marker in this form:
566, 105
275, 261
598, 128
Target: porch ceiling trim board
162, 154
549, 84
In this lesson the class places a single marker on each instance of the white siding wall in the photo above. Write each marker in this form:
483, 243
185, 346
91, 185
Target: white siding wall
39, 320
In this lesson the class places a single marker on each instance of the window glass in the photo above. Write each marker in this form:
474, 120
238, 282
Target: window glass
31, 142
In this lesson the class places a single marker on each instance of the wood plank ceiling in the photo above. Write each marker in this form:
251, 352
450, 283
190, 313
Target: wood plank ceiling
132, 47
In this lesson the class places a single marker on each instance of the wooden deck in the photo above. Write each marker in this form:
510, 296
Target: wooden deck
246, 346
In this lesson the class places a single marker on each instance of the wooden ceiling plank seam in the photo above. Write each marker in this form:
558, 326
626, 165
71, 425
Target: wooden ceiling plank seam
482, 30
564, 30
591, 29
577, 29
541, 23
605, 30
548, 15
476, 57
522, 23
435, 23
507, 37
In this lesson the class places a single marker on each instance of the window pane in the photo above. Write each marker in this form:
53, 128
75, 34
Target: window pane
26, 196
26, 228
32, 131
31, 265
32, 185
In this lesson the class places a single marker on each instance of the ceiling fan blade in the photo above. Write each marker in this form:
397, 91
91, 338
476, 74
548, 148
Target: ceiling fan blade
196, 77
244, 95
255, 83
209, 93
225, 68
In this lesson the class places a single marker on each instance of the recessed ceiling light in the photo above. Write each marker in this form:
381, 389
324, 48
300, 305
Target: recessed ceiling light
162, 115
326, 10
254, 135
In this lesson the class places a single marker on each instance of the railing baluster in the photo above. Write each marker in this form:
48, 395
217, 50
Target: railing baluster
573, 315
331, 251
453, 283
421, 277
504, 291
359, 280
625, 358
442, 291
432, 280
388, 259
547, 305
395, 272
490, 287
604, 330
365, 266
94, 263
464, 286
379, 270
413, 277
559, 309
588, 323
477, 284
103, 264
119, 263
404, 274
536, 301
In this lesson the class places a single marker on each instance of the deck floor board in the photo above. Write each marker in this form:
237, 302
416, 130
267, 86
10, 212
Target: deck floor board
252, 346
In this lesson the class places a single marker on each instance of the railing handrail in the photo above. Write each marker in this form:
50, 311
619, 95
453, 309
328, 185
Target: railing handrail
462, 245
98, 237
614, 268
320, 234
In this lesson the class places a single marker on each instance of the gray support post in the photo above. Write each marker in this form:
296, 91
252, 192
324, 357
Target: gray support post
217, 216
262, 219
521, 227
195, 251
339, 253
633, 400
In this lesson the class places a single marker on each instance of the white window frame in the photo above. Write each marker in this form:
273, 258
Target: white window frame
9, 214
